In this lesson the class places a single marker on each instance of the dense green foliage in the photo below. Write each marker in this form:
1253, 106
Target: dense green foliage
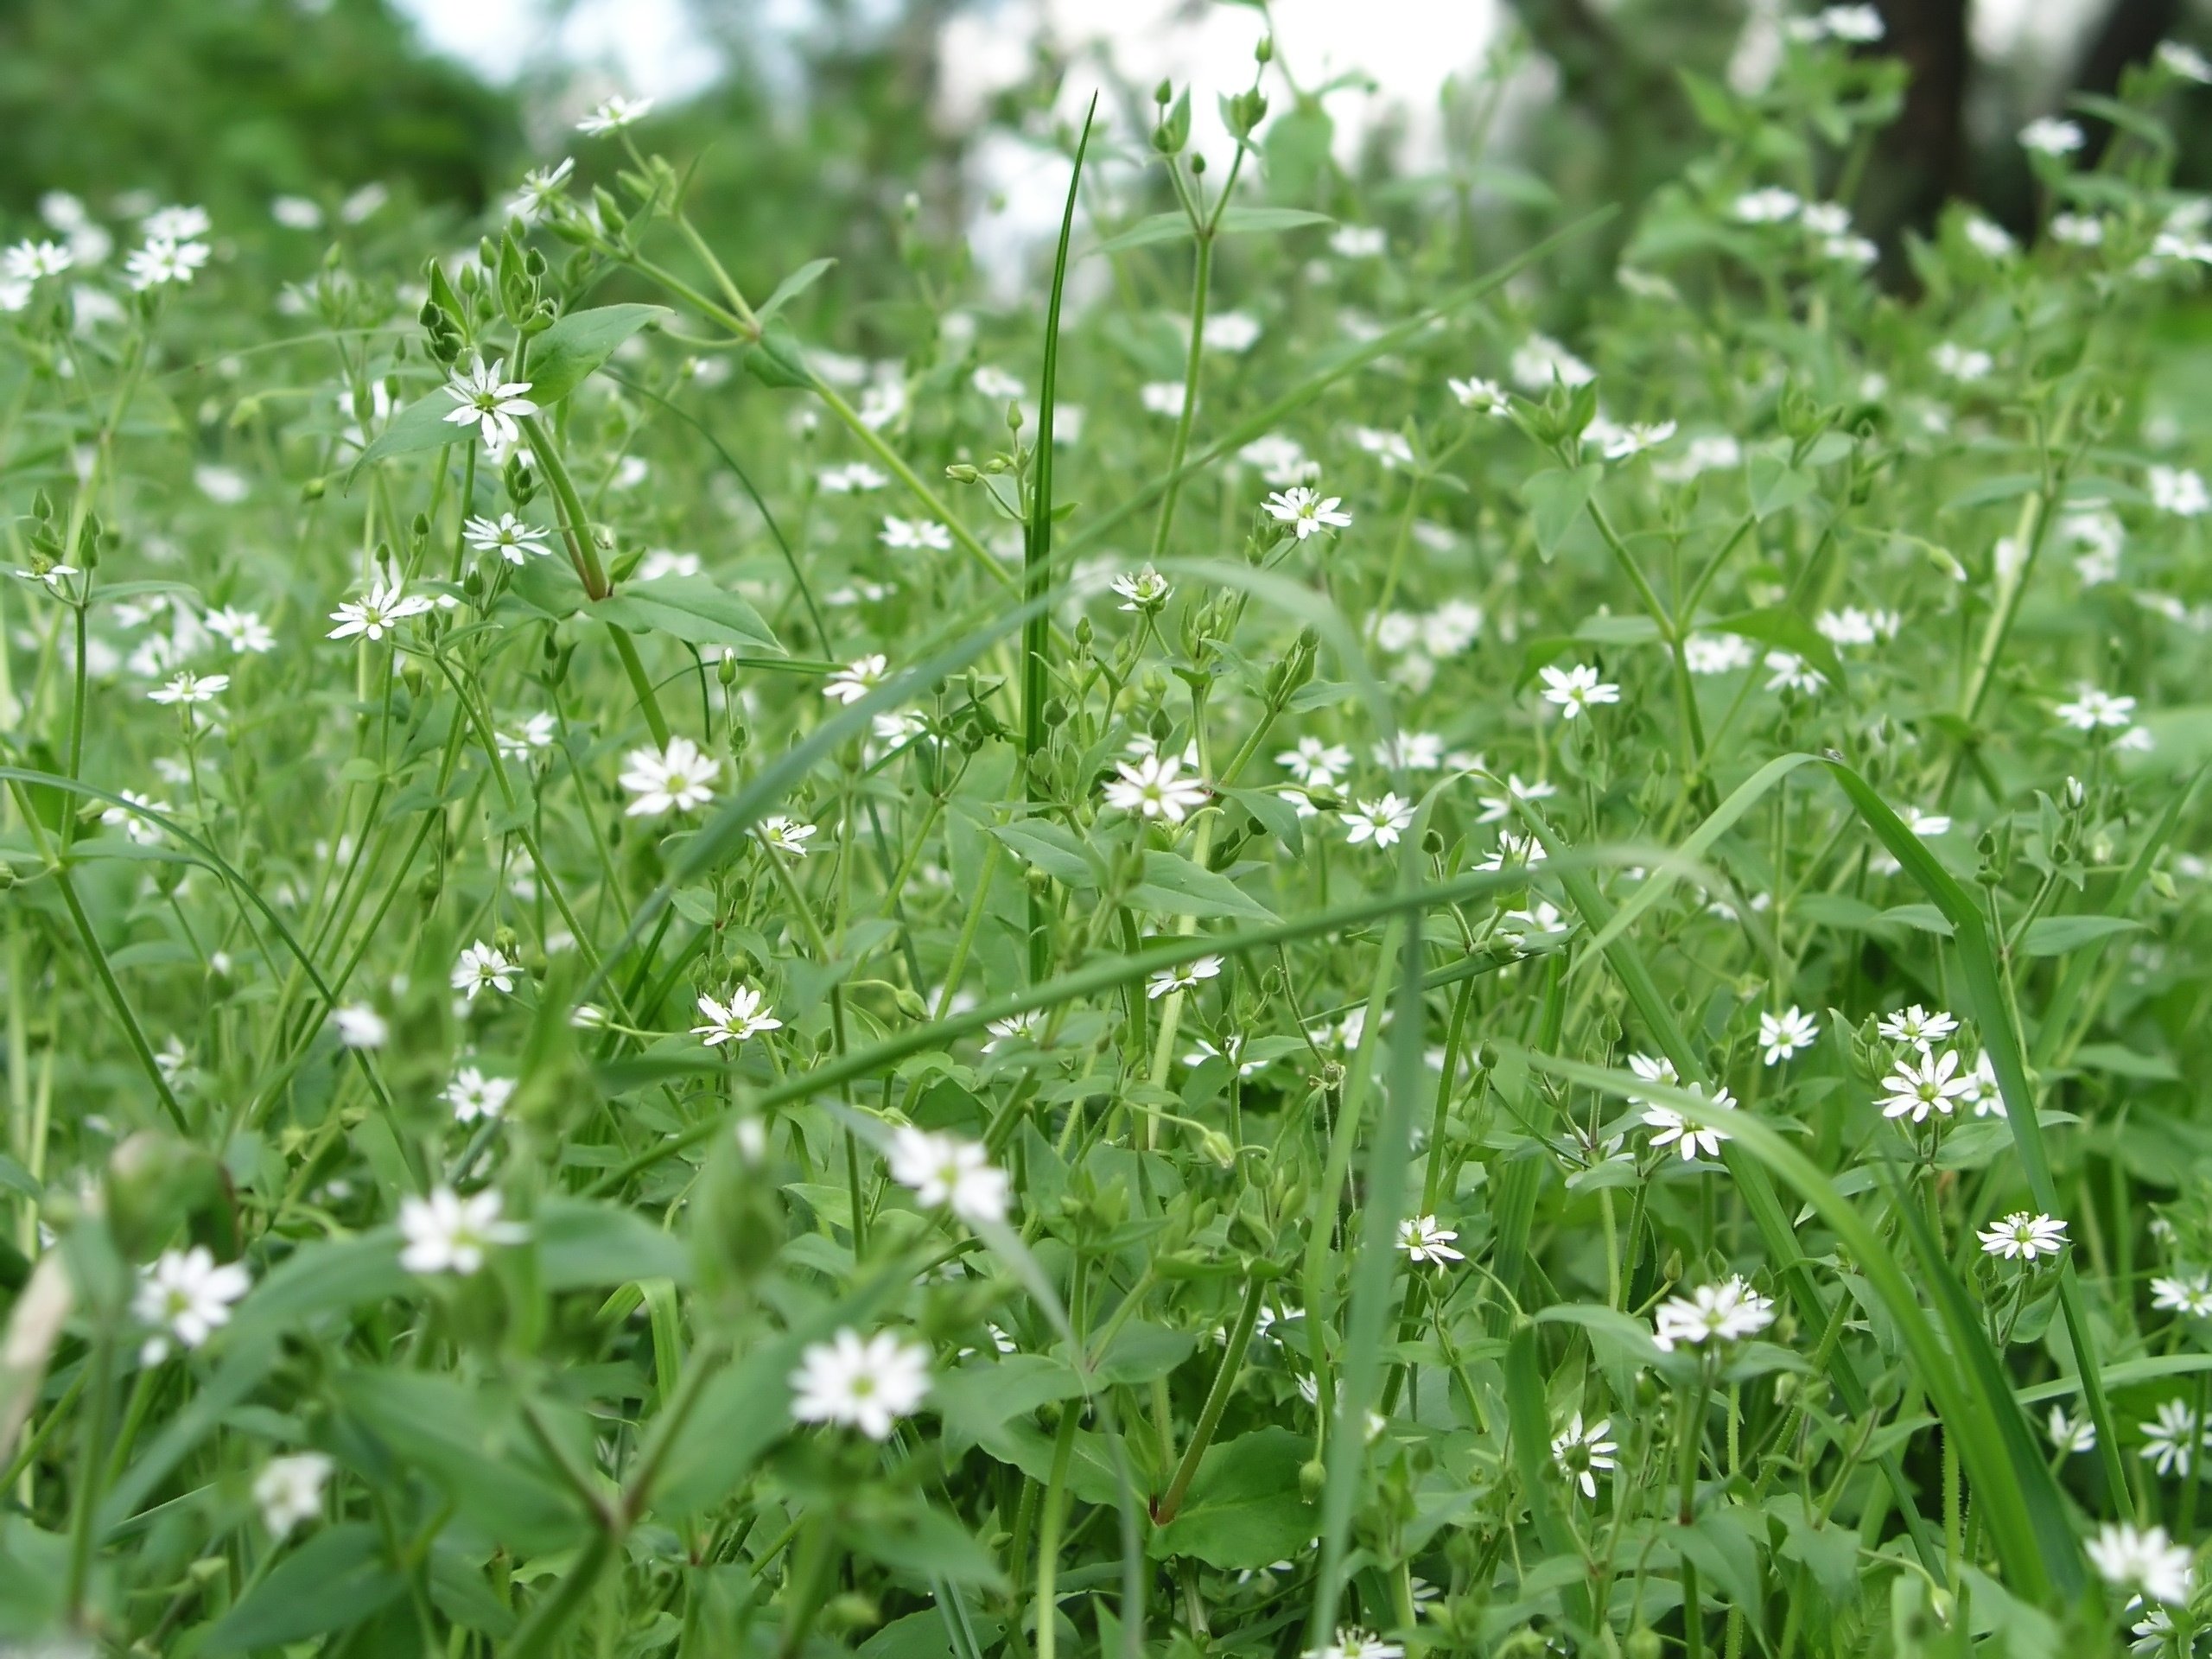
706, 953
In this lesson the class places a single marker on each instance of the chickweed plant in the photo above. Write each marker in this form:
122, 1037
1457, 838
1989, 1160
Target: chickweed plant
1320, 957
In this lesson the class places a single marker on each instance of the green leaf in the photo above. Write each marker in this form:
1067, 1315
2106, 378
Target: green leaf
331, 1582
1778, 625
777, 359
1052, 847
1556, 498
925, 1541
562, 357
2054, 936
1246, 1508
1235, 221
1141, 1353
581, 1244
320, 1278
1775, 483
981, 1395
1829, 1550
792, 286
1173, 886
1724, 1552
691, 608
421, 425
1275, 815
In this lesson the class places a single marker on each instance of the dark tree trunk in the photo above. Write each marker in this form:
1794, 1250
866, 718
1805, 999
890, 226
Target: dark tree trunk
1924, 155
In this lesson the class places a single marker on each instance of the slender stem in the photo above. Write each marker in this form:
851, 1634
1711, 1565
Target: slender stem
641, 683
1048, 1532
1224, 1382
1201, 279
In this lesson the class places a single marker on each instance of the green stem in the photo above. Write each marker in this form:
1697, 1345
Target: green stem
1048, 1532
1224, 1382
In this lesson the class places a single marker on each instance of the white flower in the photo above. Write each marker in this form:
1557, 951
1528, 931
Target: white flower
380, 612
1966, 364
1163, 398
1925, 824
2172, 1441
1154, 788
186, 1296
446, 1233
673, 779
1727, 1312
1391, 448
1624, 442
2185, 60
1514, 852
530, 733
1989, 238
486, 399
2024, 1236
1145, 590
1576, 689
1379, 821
1025, 1024
161, 260
613, 114
1414, 751
2077, 229
785, 835
1315, 762
1353, 1643
1497, 808
743, 1017
1484, 397
2180, 491
2072, 1434
1233, 332
472, 1094
2144, 1558
1930, 1086
509, 536
2047, 135
854, 681
1279, 460
1782, 1035
29, 261
245, 630
1185, 978
945, 1169
289, 1490
1541, 362
995, 383
1922, 1028
2191, 1295
1357, 241
360, 1026
1769, 204
1858, 25
188, 688
1307, 511
1423, 1240
135, 826
176, 223
482, 965
1717, 654
1793, 673
1452, 627
904, 533
2092, 708
15, 296
1582, 1454
541, 191
54, 575
867, 1384
1690, 1139
853, 478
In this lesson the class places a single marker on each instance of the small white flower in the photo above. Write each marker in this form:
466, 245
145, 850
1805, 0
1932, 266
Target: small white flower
1391, 448
1582, 1454
2092, 708
853, 478
509, 536
360, 1026
1727, 1312
528, 735
785, 835
176, 224
1857, 25
902, 534
1624, 442
378, 613
1769, 204
2024, 1236
2071, 1436
945, 1169
1791, 672
1920, 1026
1916, 1091
1234, 332
740, 1019
161, 262
1279, 460
188, 688
1514, 852
1576, 689
54, 575
2180, 491
472, 1094
995, 383
2048, 134
481, 966
1717, 654
1989, 238
290, 1491
446, 1233
1423, 1240
2143, 1558
1379, 821
613, 114
1316, 763
1690, 1139
673, 779
2190, 1294
1025, 1025
1964, 364
1144, 590
1413, 751
854, 681
2172, 1439
1498, 808
2185, 60
1185, 978
244, 629
1307, 511
1781, 1035
1357, 241
135, 826
1154, 788
542, 191
2077, 229
1484, 397
864, 1383
1925, 824
27, 261
1541, 362
1162, 398
187, 1295
488, 400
